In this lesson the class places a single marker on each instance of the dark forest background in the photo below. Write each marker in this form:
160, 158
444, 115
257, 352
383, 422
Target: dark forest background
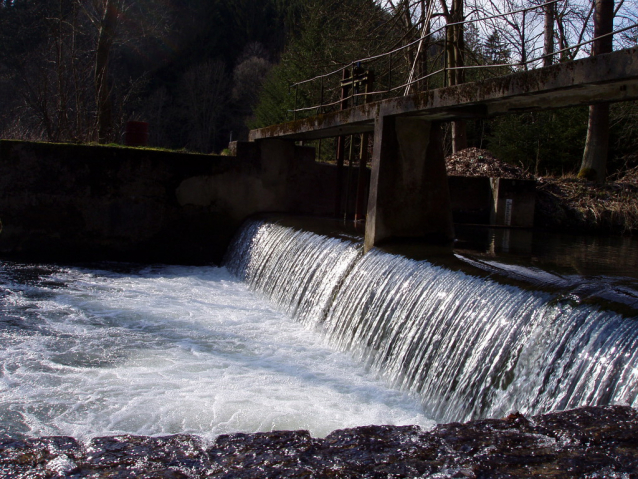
203, 72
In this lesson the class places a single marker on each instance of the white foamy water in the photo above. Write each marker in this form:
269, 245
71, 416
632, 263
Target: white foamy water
470, 346
165, 350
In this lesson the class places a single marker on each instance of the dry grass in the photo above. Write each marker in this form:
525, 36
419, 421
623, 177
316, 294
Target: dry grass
578, 204
477, 162
566, 203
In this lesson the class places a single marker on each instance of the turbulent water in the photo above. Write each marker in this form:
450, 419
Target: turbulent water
161, 350
470, 346
297, 331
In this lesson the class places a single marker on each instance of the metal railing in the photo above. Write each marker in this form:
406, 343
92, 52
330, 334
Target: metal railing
324, 93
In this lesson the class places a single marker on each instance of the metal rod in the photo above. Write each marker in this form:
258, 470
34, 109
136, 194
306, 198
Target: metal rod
345, 214
445, 57
341, 146
359, 214
321, 102
390, 72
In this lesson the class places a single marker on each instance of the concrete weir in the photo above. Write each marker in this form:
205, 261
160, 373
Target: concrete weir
409, 193
75, 202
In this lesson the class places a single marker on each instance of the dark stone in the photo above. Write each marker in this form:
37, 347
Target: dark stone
269, 454
38, 457
586, 442
176, 456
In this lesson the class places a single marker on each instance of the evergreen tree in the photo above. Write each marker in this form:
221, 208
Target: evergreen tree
332, 35
543, 143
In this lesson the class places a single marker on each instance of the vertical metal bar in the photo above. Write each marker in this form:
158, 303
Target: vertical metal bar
354, 87
349, 181
341, 146
321, 100
353, 90
359, 206
295, 110
359, 214
445, 59
390, 74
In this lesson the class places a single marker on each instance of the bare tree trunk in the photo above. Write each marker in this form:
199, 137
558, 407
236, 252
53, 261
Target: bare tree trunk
549, 35
106, 36
594, 164
459, 127
422, 67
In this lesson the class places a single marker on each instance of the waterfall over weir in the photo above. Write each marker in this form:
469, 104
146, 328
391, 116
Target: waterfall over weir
469, 346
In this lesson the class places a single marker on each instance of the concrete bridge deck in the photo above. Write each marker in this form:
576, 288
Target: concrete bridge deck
610, 77
409, 196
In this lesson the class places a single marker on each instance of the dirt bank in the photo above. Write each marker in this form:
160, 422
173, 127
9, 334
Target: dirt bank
564, 203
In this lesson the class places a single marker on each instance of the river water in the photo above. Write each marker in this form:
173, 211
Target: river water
155, 350
303, 331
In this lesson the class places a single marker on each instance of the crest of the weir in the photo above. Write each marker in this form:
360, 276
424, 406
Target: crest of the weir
468, 347
409, 195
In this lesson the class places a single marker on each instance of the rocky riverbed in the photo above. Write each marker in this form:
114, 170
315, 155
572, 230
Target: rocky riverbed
593, 442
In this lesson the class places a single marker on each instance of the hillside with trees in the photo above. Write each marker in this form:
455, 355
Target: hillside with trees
201, 72
77, 70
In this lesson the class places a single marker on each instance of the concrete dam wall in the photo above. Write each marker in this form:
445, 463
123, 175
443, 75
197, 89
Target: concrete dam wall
77, 202
73, 202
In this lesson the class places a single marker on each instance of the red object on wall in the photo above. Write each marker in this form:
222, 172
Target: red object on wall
136, 133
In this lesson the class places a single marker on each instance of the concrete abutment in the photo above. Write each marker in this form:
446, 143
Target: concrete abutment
409, 192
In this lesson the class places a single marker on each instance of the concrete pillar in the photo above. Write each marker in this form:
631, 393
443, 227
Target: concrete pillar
409, 193
513, 202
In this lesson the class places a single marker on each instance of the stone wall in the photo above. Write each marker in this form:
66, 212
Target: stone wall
75, 202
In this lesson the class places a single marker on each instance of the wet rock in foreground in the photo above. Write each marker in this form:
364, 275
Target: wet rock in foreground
593, 442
